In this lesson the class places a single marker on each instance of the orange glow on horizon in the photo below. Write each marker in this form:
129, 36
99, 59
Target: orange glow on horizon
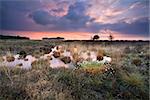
74, 35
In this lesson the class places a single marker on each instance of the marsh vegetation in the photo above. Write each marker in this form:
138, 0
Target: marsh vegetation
125, 77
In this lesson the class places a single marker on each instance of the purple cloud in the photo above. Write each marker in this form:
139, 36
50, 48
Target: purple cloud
125, 16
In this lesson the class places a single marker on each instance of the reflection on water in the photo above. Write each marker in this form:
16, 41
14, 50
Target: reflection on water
54, 61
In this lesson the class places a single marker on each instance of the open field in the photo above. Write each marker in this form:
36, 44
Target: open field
126, 77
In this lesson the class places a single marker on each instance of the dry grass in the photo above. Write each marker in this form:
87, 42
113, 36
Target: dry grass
124, 79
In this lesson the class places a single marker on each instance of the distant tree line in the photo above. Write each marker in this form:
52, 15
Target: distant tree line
54, 38
13, 37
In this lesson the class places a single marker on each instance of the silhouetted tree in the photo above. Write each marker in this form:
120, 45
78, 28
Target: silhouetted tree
111, 37
96, 37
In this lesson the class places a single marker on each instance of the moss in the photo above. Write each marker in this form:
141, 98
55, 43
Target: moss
91, 64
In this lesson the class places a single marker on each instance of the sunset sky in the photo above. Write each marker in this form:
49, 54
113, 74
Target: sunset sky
75, 19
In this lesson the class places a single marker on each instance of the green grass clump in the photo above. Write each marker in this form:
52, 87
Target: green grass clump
134, 79
90, 64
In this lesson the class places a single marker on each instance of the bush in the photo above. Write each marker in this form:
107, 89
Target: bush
136, 62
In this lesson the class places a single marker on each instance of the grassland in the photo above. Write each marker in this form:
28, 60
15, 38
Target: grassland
126, 79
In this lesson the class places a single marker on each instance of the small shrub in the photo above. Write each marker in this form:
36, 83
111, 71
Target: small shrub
99, 57
22, 54
136, 62
10, 58
45, 50
56, 54
66, 60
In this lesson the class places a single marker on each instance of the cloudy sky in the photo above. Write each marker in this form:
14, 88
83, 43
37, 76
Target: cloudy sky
75, 19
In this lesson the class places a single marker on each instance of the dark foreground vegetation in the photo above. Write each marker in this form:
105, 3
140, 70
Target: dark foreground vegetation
126, 79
